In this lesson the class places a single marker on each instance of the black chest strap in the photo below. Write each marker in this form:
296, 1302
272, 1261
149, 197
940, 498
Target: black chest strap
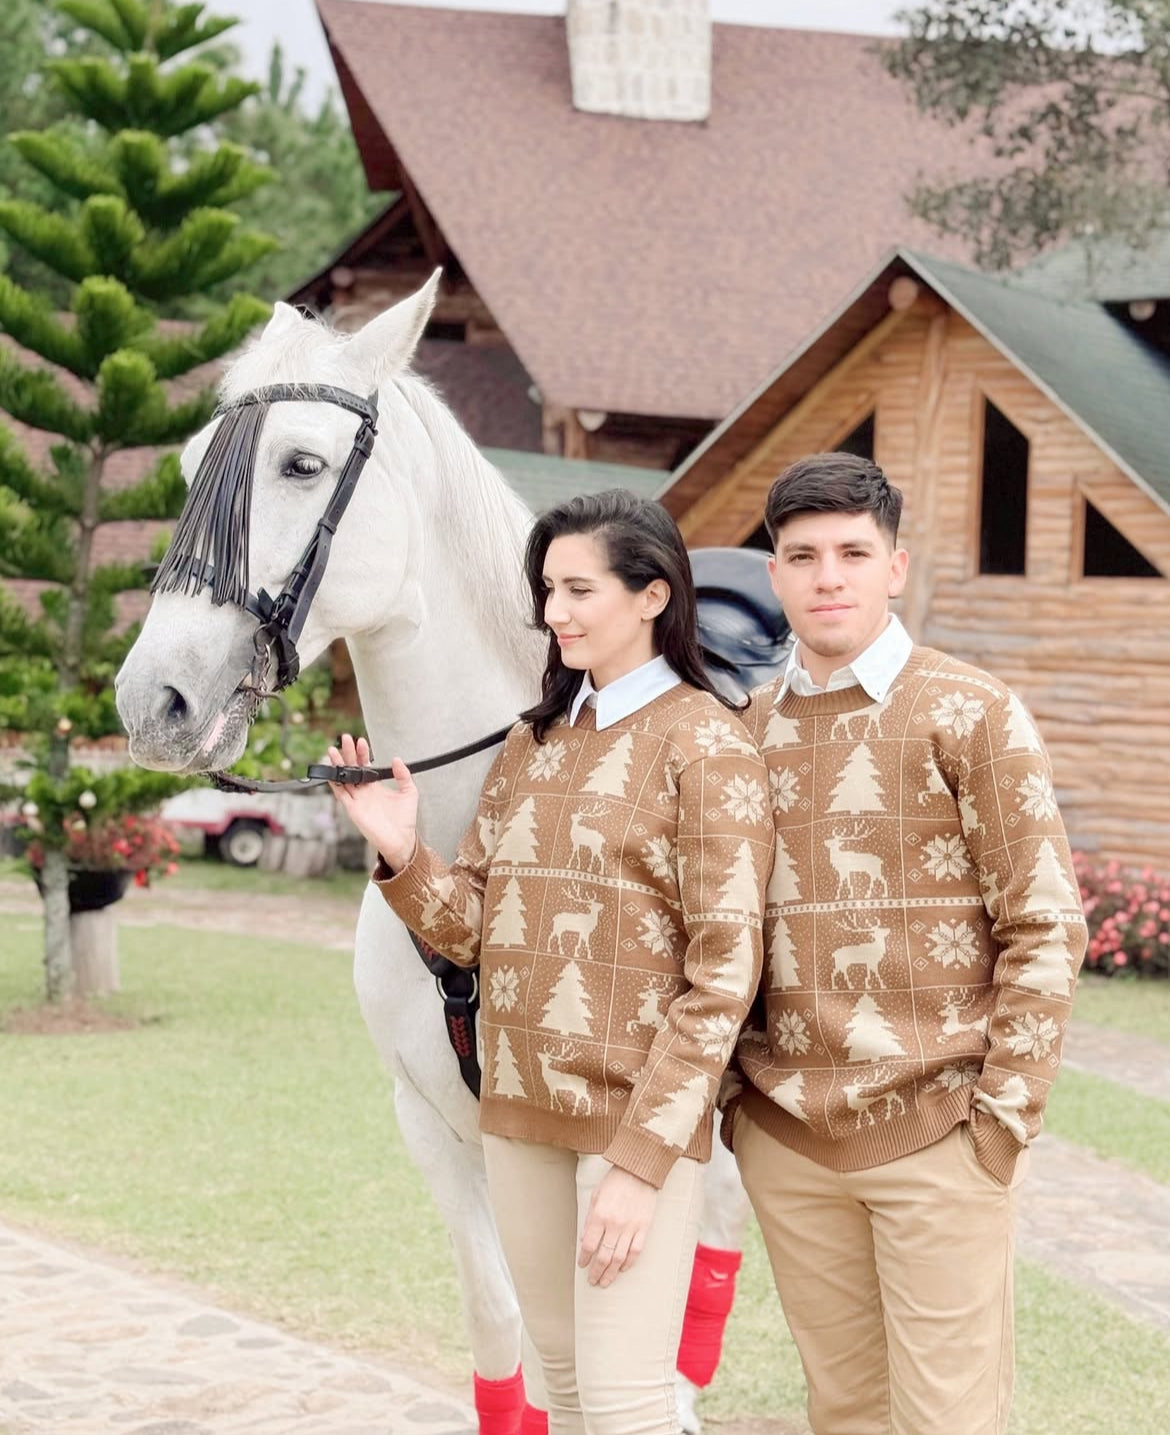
459, 988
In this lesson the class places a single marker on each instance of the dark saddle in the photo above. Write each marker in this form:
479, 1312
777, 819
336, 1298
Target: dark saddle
746, 636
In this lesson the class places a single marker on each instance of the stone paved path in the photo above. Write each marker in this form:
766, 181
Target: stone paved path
1101, 1224
1134, 1061
87, 1346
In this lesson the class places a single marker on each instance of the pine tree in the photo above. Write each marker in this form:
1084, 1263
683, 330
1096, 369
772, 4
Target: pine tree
858, 788
612, 772
506, 1078
740, 890
1049, 890
869, 1035
144, 227
734, 973
1049, 968
783, 883
568, 1010
790, 1095
782, 968
1020, 730
678, 1117
518, 840
507, 925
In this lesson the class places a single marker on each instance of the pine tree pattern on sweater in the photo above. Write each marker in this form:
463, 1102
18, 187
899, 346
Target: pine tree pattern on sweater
923, 928
611, 887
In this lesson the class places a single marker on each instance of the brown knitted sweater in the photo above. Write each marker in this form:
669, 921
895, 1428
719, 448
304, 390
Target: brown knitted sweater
611, 887
923, 928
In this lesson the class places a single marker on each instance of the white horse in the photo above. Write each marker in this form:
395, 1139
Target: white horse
424, 583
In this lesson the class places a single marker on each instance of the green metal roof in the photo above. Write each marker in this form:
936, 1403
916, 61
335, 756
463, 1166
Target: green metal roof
542, 479
1115, 387
1110, 270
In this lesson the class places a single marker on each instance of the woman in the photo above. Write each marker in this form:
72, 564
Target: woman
611, 887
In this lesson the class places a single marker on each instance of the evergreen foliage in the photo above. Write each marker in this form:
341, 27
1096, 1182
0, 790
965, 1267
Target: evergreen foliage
324, 198
1072, 98
135, 221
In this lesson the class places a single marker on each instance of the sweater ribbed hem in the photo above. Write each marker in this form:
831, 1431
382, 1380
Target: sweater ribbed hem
873, 1146
592, 1136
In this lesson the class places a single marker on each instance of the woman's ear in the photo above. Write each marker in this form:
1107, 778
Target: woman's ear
655, 597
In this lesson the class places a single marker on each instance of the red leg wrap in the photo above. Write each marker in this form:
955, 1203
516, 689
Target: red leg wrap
708, 1306
498, 1403
534, 1421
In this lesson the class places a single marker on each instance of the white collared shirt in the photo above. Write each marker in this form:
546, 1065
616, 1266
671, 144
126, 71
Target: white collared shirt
625, 695
875, 669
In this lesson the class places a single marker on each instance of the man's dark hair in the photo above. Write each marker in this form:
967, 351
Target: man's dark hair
833, 483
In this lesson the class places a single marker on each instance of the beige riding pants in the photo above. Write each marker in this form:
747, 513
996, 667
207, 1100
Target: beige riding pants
608, 1355
896, 1282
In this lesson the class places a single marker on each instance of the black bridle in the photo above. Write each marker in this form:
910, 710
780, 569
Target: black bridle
210, 547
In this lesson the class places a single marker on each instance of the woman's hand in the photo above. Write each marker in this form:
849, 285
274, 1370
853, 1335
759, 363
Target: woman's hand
385, 816
615, 1228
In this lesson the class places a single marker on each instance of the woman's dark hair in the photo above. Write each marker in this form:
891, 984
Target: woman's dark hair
641, 542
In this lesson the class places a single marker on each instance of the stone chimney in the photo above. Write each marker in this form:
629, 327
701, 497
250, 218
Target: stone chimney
645, 59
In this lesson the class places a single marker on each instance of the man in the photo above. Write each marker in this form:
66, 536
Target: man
922, 938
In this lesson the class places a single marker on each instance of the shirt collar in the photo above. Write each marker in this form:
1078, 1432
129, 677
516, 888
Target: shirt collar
875, 670
625, 695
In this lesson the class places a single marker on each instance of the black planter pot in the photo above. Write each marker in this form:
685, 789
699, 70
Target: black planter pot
90, 891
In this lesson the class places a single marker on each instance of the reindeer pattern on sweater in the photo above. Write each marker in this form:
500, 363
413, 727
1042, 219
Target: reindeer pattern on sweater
611, 887
923, 928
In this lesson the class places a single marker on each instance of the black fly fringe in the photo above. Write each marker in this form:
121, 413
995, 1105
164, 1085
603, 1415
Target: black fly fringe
211, 538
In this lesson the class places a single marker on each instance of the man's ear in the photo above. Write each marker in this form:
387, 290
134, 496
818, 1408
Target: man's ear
899, 565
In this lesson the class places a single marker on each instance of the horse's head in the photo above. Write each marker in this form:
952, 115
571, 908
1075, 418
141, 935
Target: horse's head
260, 480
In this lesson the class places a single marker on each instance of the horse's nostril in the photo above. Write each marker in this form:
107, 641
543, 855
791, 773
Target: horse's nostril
175, 706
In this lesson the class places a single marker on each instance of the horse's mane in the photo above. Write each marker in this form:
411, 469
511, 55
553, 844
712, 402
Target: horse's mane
482, 522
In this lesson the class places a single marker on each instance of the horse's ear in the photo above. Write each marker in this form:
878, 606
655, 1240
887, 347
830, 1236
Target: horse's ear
386, 344
284, 318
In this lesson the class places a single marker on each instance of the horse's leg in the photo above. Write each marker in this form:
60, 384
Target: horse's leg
726, 1210
454, 1173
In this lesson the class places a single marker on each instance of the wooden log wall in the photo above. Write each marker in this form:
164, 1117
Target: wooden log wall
1090, 657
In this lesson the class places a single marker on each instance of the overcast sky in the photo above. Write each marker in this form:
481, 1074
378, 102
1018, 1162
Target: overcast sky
295, 23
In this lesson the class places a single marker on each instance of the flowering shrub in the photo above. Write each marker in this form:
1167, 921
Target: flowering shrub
130, 842
1128, 913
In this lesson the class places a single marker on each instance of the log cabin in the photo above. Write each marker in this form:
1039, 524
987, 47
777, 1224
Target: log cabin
1027, 426
636, 210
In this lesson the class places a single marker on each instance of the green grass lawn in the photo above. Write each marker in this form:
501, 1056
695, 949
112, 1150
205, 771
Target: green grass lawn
1112, 1121
1141, 1007
243, 1137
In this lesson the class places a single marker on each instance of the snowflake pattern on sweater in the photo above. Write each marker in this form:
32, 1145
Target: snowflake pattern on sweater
611, 886
923, 928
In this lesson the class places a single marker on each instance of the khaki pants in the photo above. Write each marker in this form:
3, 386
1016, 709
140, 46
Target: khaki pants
896, 1282
608, 1355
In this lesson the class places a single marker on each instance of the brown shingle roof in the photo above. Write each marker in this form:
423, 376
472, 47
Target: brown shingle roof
650, 268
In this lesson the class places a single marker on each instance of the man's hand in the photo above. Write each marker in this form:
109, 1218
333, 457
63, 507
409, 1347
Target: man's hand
615, 1228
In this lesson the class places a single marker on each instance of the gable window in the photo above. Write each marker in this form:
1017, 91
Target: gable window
1003, 505
860, 441
1108, 553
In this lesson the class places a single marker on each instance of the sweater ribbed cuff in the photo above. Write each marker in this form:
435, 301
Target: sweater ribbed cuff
641, 1157
997, 1149
408, 887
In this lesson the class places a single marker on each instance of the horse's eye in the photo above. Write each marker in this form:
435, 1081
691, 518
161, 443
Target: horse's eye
303, 465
